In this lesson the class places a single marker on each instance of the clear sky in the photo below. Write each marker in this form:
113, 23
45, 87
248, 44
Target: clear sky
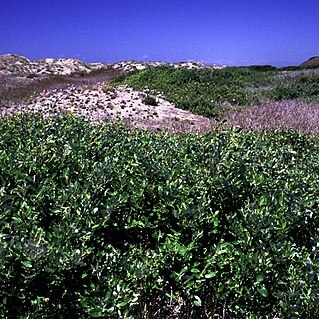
233, 32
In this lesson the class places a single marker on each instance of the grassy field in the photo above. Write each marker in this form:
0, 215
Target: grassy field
106, 221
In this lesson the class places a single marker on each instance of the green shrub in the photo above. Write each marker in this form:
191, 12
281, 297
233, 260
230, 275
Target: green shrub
102, 221
200, 91
290, 68
150, 100
262, 68
206, 91
304, 86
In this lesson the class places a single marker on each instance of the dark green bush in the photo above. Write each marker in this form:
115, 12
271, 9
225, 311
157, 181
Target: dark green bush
101, 221
262, 68
150, 100
290, 68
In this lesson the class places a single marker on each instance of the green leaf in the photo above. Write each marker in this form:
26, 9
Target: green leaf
197, 301
262, 201
195, 270
283, 304
123, 303
27, 264
263, 291
95, 313
259, 278
211, 275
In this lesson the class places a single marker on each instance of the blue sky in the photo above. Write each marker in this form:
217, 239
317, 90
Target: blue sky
228, 32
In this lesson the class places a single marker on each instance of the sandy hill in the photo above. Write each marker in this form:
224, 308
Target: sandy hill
27, 86
12, 64
312, 62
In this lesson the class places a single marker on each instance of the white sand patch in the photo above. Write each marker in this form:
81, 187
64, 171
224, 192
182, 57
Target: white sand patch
104, 102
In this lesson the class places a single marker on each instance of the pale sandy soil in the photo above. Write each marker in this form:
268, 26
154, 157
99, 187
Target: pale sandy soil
102, 102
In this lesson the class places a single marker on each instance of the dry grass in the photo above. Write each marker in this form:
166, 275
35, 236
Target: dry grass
17, 89
174, 125
295, 115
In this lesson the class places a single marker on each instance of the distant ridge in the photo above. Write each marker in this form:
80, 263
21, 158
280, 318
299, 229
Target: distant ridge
12, 64
314, 61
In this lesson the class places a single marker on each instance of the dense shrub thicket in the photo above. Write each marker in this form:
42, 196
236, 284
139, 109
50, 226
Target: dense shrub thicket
100, 221
209, 92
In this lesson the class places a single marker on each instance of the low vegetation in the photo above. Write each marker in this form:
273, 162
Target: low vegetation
19, 90
150, 100
199, 91
212, 92
102, 221
295, 115
303, 86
